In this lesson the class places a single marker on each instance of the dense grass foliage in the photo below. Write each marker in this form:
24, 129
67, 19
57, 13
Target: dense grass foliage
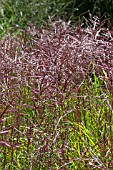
56, 106
17, 14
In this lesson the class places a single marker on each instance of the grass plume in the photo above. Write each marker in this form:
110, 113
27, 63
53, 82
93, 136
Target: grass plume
56, 98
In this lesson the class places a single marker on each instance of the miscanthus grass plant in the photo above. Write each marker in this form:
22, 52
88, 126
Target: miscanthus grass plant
56, 98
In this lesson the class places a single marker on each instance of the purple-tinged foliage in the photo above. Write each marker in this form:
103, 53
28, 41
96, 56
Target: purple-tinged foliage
55, 97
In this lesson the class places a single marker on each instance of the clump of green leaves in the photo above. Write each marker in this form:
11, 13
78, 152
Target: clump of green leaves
16, 14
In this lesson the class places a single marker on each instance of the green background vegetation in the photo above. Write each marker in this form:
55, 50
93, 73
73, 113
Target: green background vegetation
17, 14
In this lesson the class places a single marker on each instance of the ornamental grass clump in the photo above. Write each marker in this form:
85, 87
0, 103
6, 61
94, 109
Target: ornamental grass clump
56, 98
